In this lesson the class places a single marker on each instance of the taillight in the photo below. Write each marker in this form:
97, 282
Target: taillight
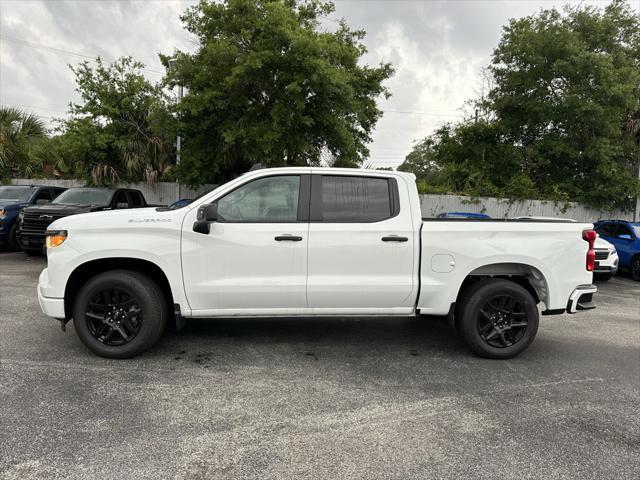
590, 236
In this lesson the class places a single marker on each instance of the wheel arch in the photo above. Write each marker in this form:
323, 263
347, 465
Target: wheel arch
528, 276
83, 272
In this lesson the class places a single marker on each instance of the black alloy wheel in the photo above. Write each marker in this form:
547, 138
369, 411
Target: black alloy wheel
502, 321
114, 317
120, 313
497, 318
12, 239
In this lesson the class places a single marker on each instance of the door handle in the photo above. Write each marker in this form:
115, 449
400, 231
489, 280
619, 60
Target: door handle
394, 238
288, 238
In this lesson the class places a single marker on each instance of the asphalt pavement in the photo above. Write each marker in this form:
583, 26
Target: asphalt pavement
319, 399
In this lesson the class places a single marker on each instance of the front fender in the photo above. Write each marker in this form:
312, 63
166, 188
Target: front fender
161, 249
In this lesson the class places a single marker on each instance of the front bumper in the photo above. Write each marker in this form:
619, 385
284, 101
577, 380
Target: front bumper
606, 267
52, 307
31, 242
582, 298
4, 232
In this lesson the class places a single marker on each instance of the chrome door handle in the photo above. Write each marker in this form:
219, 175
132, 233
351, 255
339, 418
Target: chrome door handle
288, 238
394, 238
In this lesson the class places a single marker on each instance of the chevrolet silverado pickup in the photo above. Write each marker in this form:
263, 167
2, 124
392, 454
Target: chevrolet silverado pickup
301, 242
33, 221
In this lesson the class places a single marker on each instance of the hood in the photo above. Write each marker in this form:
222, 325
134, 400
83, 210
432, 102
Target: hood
114, 218
63, 208
9, 205
602, 243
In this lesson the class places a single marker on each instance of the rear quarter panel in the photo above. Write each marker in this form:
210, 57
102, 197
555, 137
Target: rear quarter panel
556, 250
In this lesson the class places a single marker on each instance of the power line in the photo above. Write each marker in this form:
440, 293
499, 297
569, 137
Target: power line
61, 51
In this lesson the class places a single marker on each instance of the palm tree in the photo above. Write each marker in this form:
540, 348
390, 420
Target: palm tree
21, 140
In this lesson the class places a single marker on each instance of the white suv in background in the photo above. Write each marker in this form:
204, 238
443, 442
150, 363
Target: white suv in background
606, 260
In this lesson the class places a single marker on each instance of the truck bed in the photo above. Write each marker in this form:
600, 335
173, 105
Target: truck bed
552, 254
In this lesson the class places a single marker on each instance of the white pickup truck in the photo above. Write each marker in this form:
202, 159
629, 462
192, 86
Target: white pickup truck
311, 242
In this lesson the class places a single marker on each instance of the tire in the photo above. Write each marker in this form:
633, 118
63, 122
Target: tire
634, 268
119, 314
12, 240
487, 326
602, 277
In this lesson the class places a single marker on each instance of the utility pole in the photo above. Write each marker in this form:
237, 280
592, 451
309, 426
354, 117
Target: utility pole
636, 214
172, 62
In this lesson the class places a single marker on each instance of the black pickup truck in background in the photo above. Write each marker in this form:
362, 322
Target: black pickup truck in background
33, 221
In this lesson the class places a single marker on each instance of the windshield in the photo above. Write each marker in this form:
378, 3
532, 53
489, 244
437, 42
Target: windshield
85, 196
15, 194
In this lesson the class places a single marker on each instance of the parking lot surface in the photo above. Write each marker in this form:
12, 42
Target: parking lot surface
321, 398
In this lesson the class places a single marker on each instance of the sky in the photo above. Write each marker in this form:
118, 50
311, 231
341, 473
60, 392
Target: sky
438, 49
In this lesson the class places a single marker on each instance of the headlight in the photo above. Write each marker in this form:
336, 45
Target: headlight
2, 213
613, 252
55, 238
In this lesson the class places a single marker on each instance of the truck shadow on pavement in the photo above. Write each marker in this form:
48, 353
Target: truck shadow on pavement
206, 341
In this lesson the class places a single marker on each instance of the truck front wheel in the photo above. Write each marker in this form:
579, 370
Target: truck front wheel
497, 318
12, 239
119, 314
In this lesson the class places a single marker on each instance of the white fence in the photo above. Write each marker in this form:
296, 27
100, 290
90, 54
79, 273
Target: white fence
432, 205
165, 193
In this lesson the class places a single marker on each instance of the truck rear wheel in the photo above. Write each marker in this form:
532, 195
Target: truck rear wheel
119, 314
635, 268
497, 318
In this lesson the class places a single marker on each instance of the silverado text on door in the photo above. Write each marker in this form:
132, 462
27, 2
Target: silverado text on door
311, 242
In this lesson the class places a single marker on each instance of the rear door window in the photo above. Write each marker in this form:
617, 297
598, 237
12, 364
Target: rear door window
355, 199
623, 230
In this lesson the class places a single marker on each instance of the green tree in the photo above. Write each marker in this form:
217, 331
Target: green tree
23, 140
565, 85
119, 129
268, 85
422, 162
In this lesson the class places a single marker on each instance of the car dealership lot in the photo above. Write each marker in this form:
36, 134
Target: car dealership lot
319, 398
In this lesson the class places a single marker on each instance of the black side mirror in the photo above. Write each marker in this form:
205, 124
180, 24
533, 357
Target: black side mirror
207, 214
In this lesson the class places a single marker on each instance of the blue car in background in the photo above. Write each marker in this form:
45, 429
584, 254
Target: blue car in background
13, 198
183, 202
625, 236
462, 215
